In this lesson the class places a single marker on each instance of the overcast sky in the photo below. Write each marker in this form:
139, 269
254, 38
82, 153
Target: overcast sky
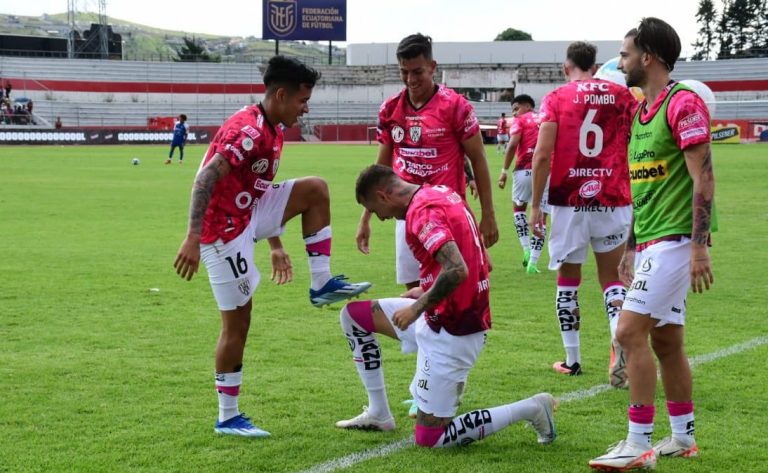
390, 20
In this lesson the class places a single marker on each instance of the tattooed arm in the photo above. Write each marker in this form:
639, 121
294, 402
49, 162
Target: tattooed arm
188, 257
452, 273
627, 263
698, 159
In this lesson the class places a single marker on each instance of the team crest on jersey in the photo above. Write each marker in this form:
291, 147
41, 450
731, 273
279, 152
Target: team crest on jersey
398, 134
245, 287
260, 166
415, 133
247, 144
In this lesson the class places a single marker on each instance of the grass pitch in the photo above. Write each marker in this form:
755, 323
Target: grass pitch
102, 373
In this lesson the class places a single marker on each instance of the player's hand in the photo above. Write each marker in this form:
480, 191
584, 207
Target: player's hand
473, 188
282, 271
188, 258
537, 222
627, 267
363, 235
701, 269
413, 293
405, 317
502, 180
489, 230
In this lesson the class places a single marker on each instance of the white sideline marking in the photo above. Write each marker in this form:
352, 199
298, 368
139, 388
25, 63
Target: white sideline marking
386, 449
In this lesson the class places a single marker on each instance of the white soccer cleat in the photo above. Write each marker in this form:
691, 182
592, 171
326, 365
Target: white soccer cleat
365, 421
625, 456
544, 421
337, 290
672, 447
239, 425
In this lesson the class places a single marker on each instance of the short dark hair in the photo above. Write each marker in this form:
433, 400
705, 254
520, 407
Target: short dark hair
372, 177
413, 46
582, 54
183, 117
503, 114
657, 37
290, 73
524, 98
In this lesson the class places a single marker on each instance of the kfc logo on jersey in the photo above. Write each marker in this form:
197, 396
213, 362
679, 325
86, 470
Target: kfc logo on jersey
591, 86
398, 134
260, 166
590, 189
415, 133
251, 131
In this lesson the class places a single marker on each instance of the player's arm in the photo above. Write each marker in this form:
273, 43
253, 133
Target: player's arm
188, 256
698, 159
542, 156
627, 263
364, 227
453, 271
509, 156
474, 149
470, 177
282, 269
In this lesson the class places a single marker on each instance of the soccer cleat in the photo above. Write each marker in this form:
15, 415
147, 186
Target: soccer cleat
617, 367
167, 161
531, 268
526, 257
365, 421
561, 367
625, 456
544, 421
239, 425
413, 408
672, 447
336, 290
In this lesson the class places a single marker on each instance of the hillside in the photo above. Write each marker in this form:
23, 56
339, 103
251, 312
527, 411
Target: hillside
143, 42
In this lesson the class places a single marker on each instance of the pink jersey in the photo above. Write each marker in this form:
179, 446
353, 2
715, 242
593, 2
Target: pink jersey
426, 142
252, 146
589, 162
435, 216
527, 126
502, 126
687, 116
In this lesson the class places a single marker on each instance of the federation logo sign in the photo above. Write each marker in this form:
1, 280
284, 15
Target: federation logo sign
283, 16
415, 133
398, 134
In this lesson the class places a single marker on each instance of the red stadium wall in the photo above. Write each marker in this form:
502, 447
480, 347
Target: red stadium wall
342, 132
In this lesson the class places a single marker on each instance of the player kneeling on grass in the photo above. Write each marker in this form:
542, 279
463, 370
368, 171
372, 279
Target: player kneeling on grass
446, 323
234, 204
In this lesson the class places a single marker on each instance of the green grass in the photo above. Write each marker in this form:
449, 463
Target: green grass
100, 374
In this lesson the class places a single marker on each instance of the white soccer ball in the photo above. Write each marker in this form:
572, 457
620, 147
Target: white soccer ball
135, 161
704, 92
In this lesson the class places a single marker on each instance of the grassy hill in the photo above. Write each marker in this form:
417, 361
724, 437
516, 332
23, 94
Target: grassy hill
143, 42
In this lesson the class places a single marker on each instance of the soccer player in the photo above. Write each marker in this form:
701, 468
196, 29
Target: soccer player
673, 189
523, 135
180, 133
583, 143
446, 323
424, 132
235, 203
502, 134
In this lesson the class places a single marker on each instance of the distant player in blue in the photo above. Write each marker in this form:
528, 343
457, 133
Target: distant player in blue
180, 132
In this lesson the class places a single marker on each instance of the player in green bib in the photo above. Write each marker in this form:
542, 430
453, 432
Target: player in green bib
670, 167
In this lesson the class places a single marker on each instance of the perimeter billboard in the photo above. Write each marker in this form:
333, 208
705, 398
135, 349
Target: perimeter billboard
310, 20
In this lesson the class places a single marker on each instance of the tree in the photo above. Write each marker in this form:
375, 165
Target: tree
706, 16
511, 34
759, 26
739, 22
724, 33
194, 51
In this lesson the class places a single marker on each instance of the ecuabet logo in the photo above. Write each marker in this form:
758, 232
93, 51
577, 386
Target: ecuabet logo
283, 16
590, 189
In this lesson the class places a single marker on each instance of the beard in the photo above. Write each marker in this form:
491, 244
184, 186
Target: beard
635, 78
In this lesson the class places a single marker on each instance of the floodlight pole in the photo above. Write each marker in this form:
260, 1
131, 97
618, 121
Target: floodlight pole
330, 61
277, 47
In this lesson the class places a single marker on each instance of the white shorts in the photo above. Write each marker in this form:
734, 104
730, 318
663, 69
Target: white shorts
522, 189
231, 271
502, 138
442, 363
575, 228
661, 282
407, 266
